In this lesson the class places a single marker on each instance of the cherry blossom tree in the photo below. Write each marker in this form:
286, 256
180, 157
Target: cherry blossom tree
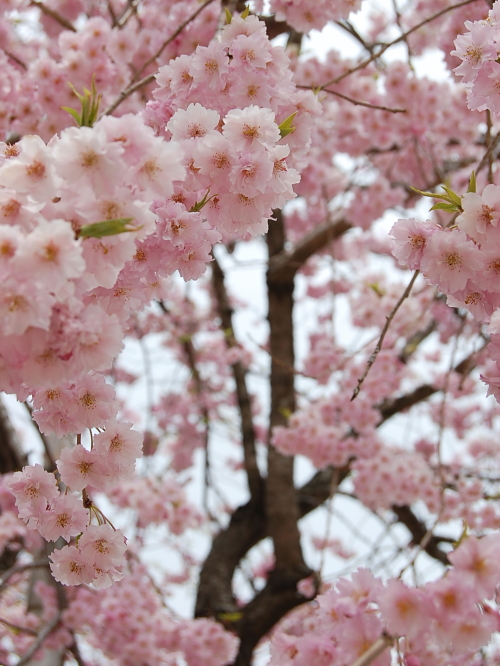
311, 454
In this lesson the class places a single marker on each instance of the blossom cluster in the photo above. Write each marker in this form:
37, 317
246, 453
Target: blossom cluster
129, 624
395, 477
324, 434
304, 15
157, 502
232, 143
68, 294
463, 261
479, 69
442, 621
93, 222
98, 556
35, 74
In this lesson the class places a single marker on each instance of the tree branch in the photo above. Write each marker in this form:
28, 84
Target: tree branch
43, 634
421, 393
281, 506
18, 569
266, 609
274, 27
245, 408
246, 528
284, 265
12, 458
53, 15
378, 346
419, 531
358, 102
137, 83
401, 38
374, 651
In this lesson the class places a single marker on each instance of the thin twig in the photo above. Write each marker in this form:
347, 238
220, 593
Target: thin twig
44, 633
486, 157
136, 84
171, 39
401, 38
239, 373
358, 102
17, 60
398, 21
53, 15
333, 491
430, 531
112, 14
129, 91
45, 441
351, 30
75, 652
16, 627
489, 126
373, 652
378, 347
127, 13
18, 568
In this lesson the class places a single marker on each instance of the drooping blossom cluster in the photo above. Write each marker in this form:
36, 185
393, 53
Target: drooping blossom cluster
97, 558
65, 305
69, 291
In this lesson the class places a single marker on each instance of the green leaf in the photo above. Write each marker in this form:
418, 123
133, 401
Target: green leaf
472, 182
432, 195
107, 228
229, 16
195, 208
74, 113
286, 126
376, 288
451, 207
89, 102
230, 617
452, 195
285, 411
246, 12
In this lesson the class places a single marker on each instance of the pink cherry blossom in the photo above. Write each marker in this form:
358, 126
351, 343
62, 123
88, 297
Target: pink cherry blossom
69, 566
120, 446
102, 547
33, 489
450, 260
80, 468
65, 518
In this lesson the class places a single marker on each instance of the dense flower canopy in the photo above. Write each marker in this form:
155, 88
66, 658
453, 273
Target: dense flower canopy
149, 153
